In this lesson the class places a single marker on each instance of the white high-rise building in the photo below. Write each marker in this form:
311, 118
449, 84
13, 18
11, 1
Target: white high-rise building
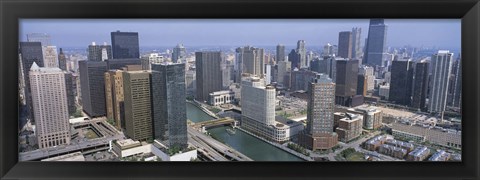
258, 102
49, 97
50, 56
441, 69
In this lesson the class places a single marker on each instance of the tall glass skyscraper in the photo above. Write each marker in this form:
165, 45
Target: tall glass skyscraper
441, 70
401, 82
280, 56
345, 44
169, 108
376, 43
92, 83
30, 52
179, 54
208, 73
125, 45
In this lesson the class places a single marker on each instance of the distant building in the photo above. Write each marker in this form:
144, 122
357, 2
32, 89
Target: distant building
441, 70
169, 104
295, 58
125, 45
280, 56
114, 97
356, 43
49, 97
208, 74
50, 56
345, 44
319, 133
328, 50
43, 38
92, 83
346, 81
368, 72
179, 54
420, 85
62, 60
401, 82
384, 91
99, 52
284, 69
362, 85
221, 97
152, 58
300, 79
375, 44
138, 105
121, 63
249, 60
70, 87
349, 127
457, 93
30, 52
302, 53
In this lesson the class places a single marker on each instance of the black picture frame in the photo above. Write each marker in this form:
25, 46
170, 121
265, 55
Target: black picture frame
11, 11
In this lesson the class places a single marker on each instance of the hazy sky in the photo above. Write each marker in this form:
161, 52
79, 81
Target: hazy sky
444, 33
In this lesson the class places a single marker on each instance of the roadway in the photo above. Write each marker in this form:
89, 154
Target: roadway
206, 141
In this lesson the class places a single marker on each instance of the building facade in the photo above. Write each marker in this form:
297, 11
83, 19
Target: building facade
401, 82
99, 52
208, 74
346, 81
280, 56
169, 104
30, 52
125, 45
345, 44
420, 85
441, 70
49, 97
349, 127
179, 54
92, 83
221, 97
376, 43
137, 105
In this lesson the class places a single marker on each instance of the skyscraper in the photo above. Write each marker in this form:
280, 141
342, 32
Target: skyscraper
169, 108
92, 83
70, 89
114, 97
401, 82
120, 63
441, 70
345, 44
420, 85
368, 72
284, 69
249, 60
30, 52
99, 52
208, 74
328, 50
457, 93
50, 57
302, 52
50, 106
301, 79
280, 56
295, 58
62, 60
258, 103
356, 43
346, 81
319, 133
125, 45
138, 105
43, 38
179, 54
376, 43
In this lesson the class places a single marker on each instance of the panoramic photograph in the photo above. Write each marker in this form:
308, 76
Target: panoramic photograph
315, 90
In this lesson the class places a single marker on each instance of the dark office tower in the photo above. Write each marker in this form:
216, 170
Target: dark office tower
294, 57
330, 65
376, 43
179, 54
457, 93
356, 43
249, 60
320, 108
43, 38
62, 60
362, 85
345, 44
169, 108
401, 82
120, 63
138, 105
301, 79
317, 66
99, 52
302, 53
420, 85
125, 45
280, 53
208, 74
346, 84
69, 85
30, 52
441, 70
92, 84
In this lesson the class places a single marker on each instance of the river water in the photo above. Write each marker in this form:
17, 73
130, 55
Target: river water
252, 147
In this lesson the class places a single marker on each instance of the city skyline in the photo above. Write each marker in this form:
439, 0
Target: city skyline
259, 32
